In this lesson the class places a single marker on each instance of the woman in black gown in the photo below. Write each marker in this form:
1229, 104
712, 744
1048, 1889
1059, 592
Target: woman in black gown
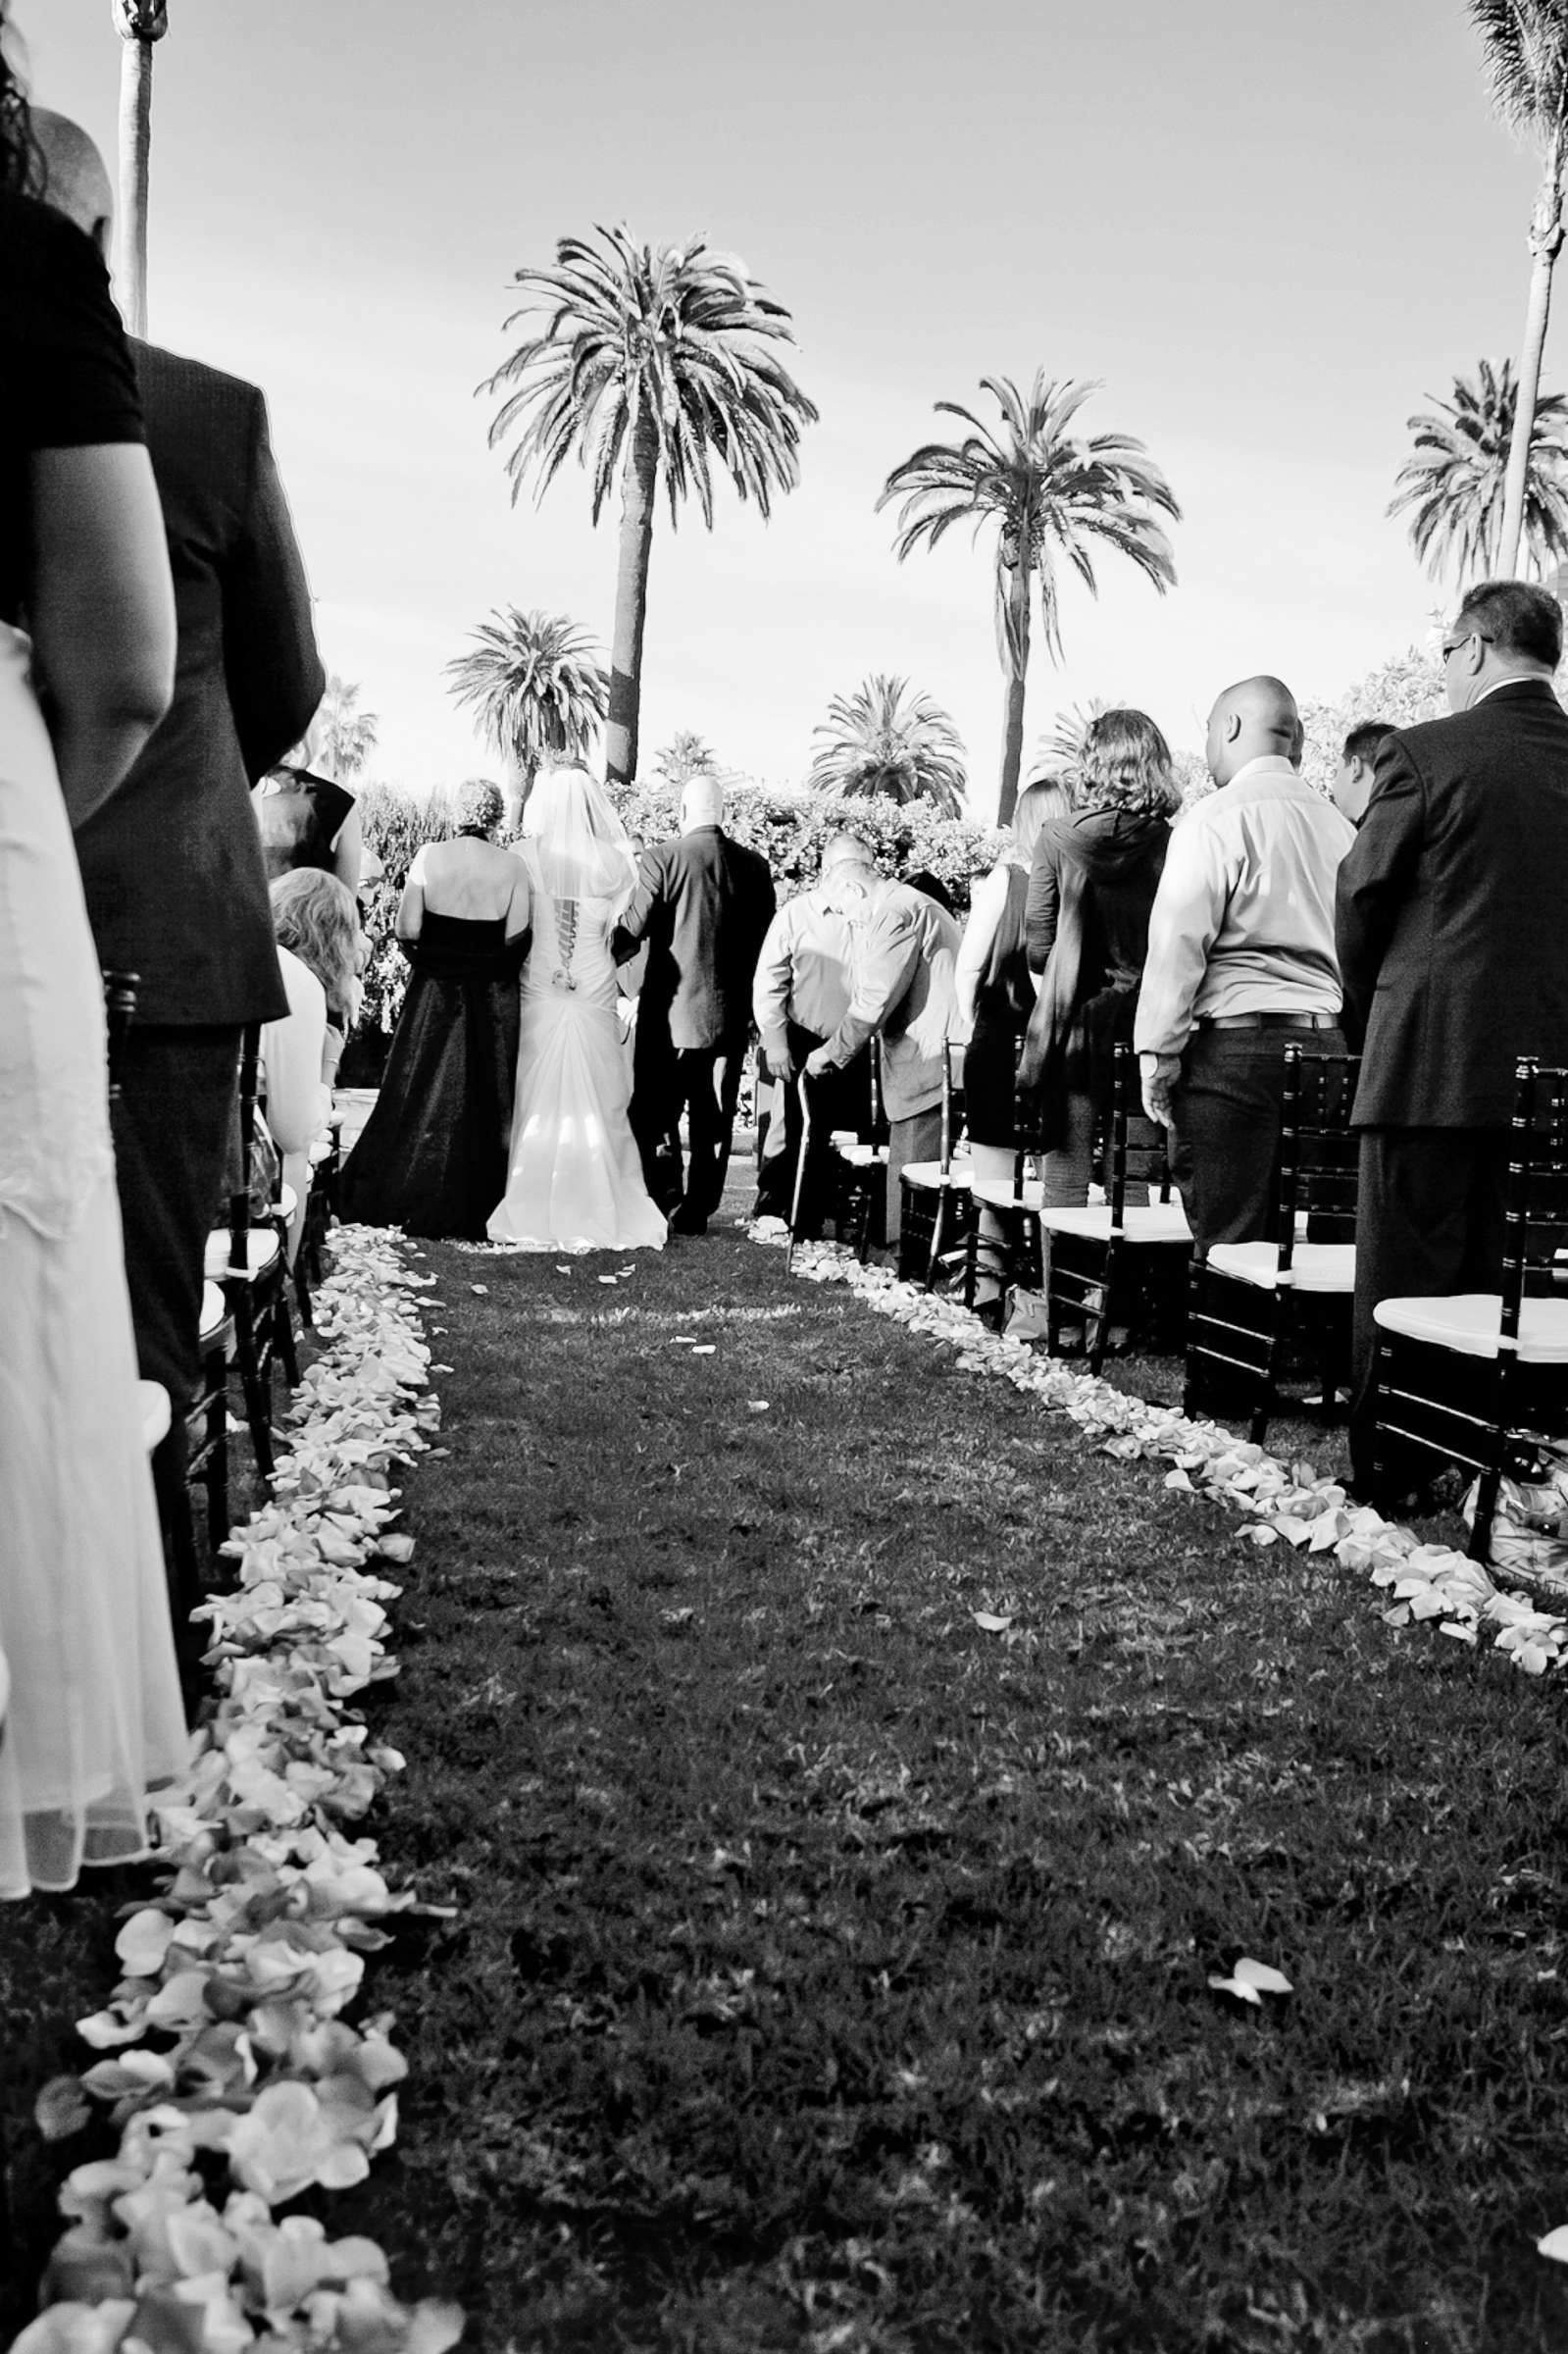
431, 1157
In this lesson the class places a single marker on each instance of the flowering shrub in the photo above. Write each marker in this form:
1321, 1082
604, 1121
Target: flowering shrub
224, 2049
788, 827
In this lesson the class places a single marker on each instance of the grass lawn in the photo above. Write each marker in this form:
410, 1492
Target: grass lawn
830, 1971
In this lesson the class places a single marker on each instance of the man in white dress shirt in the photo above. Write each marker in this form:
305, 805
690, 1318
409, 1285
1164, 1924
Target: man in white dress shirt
1241, 962
799, 997
901, 991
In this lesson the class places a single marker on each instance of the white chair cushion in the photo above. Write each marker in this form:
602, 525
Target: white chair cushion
997, 1193
928, 1176
213, 1313
260, 1256
1468, 1323
1154, 1222
286, 1204
322, 1147
152, 1402
863, 1157
1317, 1266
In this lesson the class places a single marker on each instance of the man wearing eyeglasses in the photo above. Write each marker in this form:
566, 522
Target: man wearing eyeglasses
1452, 932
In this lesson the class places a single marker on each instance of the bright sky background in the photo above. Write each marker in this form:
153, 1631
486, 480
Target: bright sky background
1270, 229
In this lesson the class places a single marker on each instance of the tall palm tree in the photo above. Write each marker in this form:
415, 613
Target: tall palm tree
537, 689
139, 24
1524, 47
1051, 494
650, 362
1454, 481
341, 737
884, 739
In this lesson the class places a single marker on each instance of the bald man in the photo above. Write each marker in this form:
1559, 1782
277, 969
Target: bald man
1242, 962
171, 864
703, 903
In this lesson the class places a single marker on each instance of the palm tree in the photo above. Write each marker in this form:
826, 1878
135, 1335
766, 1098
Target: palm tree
647, 360
1060, 750
1455, 479
1525, 57
877, 741
683, 758
536, 687
139, 24
341, 737
1050, 494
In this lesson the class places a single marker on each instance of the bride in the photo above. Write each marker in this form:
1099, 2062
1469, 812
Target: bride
575, 1176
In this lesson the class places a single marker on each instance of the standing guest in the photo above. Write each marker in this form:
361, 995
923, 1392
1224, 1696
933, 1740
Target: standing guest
431, 1157
306, 820
1092, 887
995, 992
172, 865
1351, 789
94, 1718
1241, 962
799, 998
902, 971
1455, 950
703, 903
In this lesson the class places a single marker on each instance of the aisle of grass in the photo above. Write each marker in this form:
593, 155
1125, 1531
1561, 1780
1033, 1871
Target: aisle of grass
832, 1972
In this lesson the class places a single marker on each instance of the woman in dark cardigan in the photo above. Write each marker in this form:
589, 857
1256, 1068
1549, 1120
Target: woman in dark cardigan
1091, 886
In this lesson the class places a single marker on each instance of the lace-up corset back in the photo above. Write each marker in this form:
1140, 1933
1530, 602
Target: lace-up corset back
571, 950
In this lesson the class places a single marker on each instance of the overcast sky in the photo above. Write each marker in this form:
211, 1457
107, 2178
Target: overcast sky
1272, 230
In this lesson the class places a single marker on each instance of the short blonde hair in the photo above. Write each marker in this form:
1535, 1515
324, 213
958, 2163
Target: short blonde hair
314, 916
1127, 765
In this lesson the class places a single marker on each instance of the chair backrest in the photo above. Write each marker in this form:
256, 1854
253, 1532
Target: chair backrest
948, 1124
1319, 1151
239, 1198
1143, 1157
1535, 1249
878, 1122
120, 1011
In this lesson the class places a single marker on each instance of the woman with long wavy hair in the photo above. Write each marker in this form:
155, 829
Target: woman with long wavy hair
95, 1718
1091, 886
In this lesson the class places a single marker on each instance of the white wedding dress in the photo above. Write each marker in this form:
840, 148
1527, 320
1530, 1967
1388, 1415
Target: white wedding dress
96, 1716
575, 1176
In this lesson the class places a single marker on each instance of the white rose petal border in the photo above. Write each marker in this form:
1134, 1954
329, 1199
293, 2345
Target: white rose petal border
223, 2041
1286, 1501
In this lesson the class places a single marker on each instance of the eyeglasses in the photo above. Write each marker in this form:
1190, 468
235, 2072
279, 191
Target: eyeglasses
1452, 646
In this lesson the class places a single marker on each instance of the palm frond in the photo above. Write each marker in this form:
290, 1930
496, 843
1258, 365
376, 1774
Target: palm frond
680, 335
535, 684
887, 739
1451, 486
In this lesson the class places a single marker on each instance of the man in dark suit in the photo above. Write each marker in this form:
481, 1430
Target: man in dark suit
1452, 934
703, 903
172, 863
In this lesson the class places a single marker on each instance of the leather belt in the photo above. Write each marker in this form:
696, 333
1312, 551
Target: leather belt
1267, 1021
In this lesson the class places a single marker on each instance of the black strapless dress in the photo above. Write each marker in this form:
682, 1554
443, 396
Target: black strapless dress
431, 1157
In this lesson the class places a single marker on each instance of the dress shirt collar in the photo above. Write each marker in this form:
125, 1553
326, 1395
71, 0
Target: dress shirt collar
1267, 764
1515, 678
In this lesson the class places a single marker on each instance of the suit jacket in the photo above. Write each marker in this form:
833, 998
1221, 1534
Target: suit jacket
172, 863
1452, 913
703, 903
902, 972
